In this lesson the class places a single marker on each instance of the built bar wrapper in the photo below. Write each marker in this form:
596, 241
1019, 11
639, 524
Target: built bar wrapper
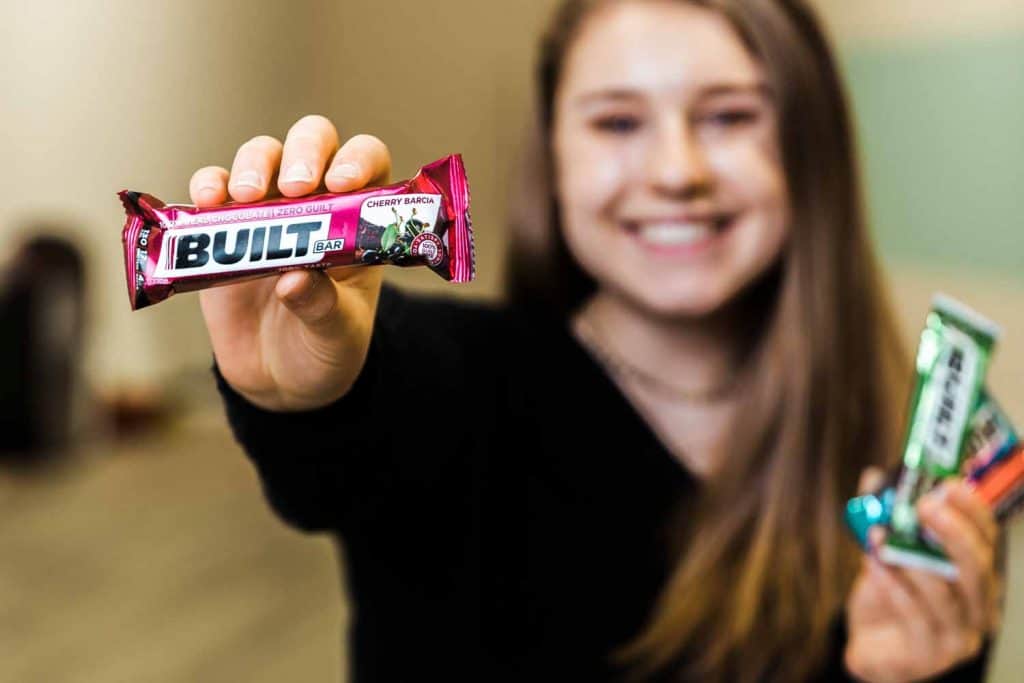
423, 221
951, 363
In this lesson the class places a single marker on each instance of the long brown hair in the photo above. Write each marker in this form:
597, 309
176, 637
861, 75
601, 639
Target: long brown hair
766, 565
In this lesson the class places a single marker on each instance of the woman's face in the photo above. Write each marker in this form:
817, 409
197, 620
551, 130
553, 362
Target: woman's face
667, 164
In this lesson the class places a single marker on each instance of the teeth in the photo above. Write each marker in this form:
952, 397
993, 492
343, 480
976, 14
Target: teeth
673, 234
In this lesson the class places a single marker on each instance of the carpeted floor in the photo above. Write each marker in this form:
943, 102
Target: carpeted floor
159, 561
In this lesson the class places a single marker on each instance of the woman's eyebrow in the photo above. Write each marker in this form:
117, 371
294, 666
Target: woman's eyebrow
715, 89
625, 94
607, 94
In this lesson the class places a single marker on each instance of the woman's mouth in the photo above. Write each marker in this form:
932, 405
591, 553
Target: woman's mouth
680, 237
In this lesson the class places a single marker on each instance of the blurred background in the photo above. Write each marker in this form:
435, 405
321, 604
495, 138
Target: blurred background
134, 540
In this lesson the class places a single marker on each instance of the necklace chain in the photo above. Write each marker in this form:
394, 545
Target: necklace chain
617, 365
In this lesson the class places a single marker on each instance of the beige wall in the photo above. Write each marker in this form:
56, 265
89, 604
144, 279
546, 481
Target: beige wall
113, 94
917, 20
436, 78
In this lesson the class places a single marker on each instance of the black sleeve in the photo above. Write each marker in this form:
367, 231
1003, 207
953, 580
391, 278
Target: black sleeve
971, 671
394, 440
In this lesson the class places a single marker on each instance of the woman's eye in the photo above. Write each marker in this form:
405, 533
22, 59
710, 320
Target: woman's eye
732, 118
617, 124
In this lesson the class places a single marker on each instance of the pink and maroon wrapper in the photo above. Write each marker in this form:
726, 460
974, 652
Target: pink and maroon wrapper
423, 221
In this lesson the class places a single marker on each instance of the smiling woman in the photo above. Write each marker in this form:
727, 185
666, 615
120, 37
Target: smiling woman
703, 171
688, 166
701, 291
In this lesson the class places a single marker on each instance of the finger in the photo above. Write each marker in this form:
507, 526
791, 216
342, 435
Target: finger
871, 479
876, 538
311, 296
943, 604
254, 165
947, 610
968, 550
866, 589
209, 186
309, 144
967, 500
363, 160
901, 600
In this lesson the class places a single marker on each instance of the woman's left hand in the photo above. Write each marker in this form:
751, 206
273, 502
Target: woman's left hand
909, 624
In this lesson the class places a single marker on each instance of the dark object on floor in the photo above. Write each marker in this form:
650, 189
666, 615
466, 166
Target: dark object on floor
41, 321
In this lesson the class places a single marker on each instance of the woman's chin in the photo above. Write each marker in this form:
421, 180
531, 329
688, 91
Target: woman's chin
691, 305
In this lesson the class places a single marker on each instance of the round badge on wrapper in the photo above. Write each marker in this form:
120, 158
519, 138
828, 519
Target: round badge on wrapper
430, 247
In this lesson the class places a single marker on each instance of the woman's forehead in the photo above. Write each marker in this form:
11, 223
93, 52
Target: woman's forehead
659, 47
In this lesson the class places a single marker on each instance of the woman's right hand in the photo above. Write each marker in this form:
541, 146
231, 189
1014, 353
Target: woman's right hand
296, 341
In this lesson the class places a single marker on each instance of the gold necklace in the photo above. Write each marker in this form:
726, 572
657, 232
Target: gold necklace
617, 365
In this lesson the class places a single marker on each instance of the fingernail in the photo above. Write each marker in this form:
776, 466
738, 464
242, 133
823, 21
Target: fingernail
345, 171
298, 172
206, 189
876, 538
248, 179
308, 294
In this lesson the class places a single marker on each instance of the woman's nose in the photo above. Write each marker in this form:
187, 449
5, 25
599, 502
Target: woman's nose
677, 163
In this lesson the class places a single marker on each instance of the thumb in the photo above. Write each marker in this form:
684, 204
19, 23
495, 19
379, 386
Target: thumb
311, 296
871, 479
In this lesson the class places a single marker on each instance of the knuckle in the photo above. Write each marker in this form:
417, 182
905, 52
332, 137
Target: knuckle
969, 644
952, 643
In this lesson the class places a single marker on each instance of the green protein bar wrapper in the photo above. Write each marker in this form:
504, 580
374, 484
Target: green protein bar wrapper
991, 439
952, 360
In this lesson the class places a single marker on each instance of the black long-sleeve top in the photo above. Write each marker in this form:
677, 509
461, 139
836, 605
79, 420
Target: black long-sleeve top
504, 510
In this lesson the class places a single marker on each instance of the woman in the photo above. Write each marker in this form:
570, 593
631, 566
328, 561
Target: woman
634, 469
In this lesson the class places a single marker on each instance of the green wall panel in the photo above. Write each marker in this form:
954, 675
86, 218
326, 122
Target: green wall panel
941, 131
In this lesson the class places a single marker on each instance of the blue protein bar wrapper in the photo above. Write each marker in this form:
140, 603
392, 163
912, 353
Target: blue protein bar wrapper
864, 512
991, 440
